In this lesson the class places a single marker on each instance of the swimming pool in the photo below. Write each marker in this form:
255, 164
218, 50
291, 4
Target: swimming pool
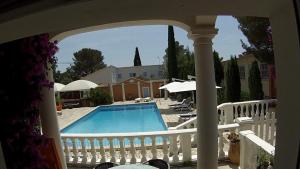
141, 117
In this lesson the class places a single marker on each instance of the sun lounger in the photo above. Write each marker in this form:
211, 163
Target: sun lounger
179, 103
147, 99
137, 100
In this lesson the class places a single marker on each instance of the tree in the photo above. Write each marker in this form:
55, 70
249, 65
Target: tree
171, 55
87, 61
233, 83
137, 59
219, 72
259, 34
185, 58
254, 82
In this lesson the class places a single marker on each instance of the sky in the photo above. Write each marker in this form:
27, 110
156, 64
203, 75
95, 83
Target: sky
118, 44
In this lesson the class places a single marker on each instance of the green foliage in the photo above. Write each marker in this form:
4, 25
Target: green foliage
87, 61
221, 96
99, 97
245, 96
171, 55
185, 64
137, 59
254, 82
264, 159
233, 83
219, 71
259, 34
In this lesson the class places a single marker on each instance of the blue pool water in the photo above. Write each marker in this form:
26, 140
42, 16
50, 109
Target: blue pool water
119, 119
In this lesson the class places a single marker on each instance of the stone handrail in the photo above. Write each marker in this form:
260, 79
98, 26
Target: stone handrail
172, 146
227, 112
250, 143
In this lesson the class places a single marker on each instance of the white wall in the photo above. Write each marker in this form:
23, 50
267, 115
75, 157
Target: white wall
152, 72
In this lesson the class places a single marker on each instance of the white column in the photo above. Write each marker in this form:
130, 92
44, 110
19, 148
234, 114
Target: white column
123, 92
139, 88
49, 118
287, 59
112, 92
207, 121
166, 92
151, 89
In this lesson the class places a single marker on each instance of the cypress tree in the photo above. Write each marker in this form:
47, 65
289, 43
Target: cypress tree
219, 72
137, 59
254, 82
233, 83
171, 55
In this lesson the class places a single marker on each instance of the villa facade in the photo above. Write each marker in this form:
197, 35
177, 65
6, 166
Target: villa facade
128, 83
267, 78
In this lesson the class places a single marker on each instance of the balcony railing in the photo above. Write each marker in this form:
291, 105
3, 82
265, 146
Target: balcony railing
176, 145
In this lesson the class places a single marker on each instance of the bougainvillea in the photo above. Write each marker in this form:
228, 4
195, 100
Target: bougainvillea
23, 67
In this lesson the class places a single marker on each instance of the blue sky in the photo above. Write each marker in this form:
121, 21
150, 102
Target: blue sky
118, 44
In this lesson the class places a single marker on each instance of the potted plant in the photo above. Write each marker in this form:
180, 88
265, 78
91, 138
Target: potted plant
234, 148
264, 160
58, 103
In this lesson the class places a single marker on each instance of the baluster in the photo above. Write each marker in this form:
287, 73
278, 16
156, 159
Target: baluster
261, 125
93, 150
75, 151
132, 151
221, 145
153, 149
122, 151
185, 142
256, 119
66, 149
273, 121
174, 148
112, 150
267, 127
83, 151
165, 149
102, 152
143, 151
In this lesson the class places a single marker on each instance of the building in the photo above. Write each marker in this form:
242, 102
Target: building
268, 81
128, 83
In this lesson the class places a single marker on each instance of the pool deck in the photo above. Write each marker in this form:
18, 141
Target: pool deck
68, 116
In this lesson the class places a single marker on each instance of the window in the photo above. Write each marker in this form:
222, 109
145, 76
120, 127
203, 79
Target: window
264, 71
145, 74
119, 76
242, 72
132, 74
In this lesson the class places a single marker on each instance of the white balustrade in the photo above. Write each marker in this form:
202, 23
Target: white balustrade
250, 143
174, 145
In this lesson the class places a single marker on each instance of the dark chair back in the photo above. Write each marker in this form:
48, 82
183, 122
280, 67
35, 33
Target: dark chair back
158, 163
105, 165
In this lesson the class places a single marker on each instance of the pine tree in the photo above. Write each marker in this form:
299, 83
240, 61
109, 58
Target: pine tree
171, 55
233, 83
254, 82
137, 59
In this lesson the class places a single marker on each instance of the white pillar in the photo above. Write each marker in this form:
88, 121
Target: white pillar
49, 118
151, 89
287, 59
207, 121
112, 92
139, 88
123, 92
166, 92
